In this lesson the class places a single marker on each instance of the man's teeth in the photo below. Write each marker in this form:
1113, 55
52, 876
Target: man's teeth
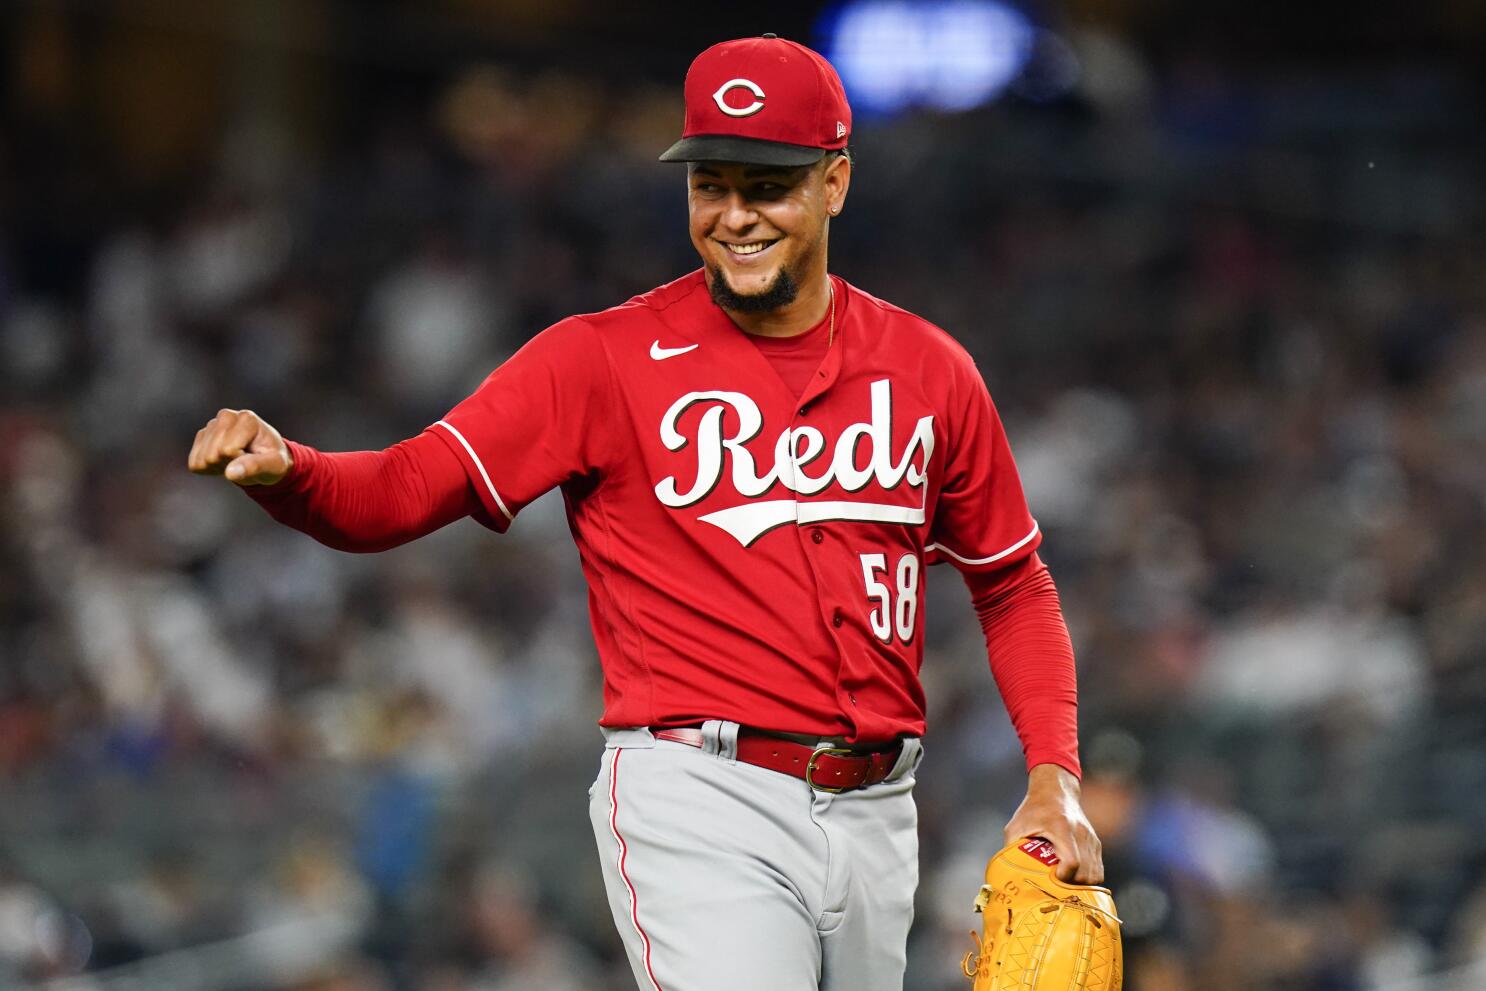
749, 249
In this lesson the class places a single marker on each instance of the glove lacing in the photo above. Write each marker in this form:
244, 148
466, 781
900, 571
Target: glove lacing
982, 953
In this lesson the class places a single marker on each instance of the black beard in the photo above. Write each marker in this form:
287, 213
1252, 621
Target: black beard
780, 293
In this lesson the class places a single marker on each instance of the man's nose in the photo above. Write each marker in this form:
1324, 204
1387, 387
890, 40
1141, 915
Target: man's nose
737, 213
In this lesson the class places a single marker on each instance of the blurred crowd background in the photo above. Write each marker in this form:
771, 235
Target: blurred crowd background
1224, 270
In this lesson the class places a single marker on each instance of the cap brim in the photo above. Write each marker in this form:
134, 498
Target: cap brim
748, 151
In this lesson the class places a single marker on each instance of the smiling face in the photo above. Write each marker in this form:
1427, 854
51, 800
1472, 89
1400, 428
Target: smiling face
761, 230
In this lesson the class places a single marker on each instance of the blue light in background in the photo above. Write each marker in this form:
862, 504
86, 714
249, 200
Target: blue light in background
941, 54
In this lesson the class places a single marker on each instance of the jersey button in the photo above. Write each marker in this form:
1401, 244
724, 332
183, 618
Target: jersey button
804, 410
837, 619
816, 536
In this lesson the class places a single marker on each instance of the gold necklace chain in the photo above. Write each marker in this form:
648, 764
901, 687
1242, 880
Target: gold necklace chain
831, 333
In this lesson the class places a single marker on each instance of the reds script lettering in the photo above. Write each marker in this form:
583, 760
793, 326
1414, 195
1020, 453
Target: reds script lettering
794, 451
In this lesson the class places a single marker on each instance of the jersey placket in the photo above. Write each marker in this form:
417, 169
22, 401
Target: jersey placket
815, 539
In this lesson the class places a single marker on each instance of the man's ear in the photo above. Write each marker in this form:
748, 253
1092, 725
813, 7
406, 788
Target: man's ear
837, 180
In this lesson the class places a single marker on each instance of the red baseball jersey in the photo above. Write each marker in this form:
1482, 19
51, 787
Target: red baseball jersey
752, 554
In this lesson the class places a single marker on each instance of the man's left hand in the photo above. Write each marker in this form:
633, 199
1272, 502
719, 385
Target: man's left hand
1053, 810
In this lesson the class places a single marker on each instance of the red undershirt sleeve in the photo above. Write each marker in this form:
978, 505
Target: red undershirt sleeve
1031, 658
371, 500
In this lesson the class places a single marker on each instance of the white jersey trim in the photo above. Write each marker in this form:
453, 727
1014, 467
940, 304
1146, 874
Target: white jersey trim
478, 464
986, 560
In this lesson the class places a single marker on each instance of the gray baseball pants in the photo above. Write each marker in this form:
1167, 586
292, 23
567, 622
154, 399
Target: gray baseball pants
723, 876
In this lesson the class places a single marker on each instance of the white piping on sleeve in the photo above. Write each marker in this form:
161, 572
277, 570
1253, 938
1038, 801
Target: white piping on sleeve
478, 464
987, 560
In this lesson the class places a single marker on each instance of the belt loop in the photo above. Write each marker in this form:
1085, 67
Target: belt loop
720, 737
710, 730
908, 759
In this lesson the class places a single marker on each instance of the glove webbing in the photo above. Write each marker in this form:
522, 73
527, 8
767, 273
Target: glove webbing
983, 898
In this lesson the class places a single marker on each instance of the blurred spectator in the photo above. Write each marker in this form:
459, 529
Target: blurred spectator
433, 320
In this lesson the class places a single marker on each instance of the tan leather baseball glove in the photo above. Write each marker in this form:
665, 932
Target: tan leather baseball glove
1042, 934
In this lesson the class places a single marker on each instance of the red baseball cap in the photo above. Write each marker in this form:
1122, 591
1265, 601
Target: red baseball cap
761, 101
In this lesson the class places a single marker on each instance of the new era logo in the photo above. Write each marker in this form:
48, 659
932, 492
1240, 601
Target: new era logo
840, 129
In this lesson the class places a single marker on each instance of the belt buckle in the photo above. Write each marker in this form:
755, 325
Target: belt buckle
810, 768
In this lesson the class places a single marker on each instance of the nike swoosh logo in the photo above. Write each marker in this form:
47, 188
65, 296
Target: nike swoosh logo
661, 354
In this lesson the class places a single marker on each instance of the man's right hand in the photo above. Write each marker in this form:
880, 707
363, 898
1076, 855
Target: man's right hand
239, 444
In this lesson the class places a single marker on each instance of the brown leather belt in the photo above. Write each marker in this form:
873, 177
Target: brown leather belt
824, 768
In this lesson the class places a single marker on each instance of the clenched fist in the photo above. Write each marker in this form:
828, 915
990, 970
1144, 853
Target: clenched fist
239, 444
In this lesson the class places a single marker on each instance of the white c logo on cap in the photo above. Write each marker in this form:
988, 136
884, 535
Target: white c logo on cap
732, 84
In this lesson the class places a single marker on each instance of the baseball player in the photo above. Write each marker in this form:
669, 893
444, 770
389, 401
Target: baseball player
758, 462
